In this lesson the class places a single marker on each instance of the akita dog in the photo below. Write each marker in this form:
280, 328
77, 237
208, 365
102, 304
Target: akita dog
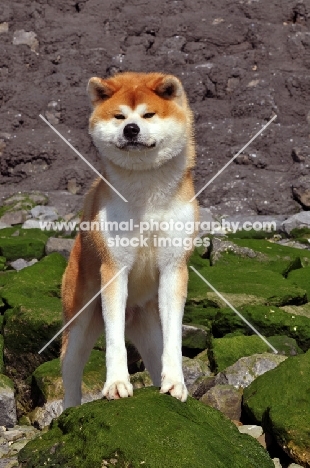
143, 128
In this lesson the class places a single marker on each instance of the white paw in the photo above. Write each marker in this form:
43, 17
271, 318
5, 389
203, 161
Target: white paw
176, 389
118, 389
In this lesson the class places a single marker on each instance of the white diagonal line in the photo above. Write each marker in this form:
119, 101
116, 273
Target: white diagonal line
84, 159
80, 311
235, 310
234, 157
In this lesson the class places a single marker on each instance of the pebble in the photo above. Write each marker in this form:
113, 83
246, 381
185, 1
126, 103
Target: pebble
28, 38
252, 430
13, 217
20, 263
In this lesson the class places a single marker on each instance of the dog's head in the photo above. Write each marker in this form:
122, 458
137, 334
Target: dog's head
139, 120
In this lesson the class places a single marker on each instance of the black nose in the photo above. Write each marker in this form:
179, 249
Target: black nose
131, 131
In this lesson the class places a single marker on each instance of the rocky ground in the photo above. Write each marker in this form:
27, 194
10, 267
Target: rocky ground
240, 62
228, 369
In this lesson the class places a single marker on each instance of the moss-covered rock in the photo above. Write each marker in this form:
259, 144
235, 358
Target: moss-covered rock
2, 263
33, 300
22, 243
269, 321
148, 429
195, 337
1, 354
47, 381
301, 278
261, 253
7, 402
276, 252
269, 287
33, 315
280, 401
227, 351
303, 310
22, 201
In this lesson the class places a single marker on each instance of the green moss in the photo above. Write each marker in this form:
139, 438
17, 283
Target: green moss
2, 263
226, 351
34, 314
196, 338
280, 401
1, 354
150, 430
269, 321
199, 315
22, 201
270, 287
47, 380
301, 278
22, 243
251, 234
275, 251
300, 233
6, 382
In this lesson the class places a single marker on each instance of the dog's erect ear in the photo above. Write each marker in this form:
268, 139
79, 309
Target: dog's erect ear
169, 88
99, 90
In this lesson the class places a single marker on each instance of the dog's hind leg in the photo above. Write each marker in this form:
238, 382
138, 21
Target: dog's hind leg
80, 336
143, 329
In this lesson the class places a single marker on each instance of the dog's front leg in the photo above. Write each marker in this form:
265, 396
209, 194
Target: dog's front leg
172, 295
114, 298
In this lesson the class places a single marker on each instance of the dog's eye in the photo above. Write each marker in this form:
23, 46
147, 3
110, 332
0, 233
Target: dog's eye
149, 115
119, 116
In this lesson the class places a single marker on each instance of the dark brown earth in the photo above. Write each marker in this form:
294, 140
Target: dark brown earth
240, 62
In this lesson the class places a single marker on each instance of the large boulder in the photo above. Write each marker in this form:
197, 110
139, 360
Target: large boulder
32, 317
248, 368
280, 401
147, 429
47, 387
269, 320
226, 351
33, 313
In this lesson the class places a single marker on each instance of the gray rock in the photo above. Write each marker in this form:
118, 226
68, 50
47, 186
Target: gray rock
44, 213
141, 379
13, 435
294, 465
13, 217
42, 416
298, 220
266, 223
277, 463
194, 369
252, 430
300, 153
301, 191
32, 224
4, 27
7, 402
20, 263
65, 202
206, 219
246, 369
3, 225
220, 247
29, 38
57, 244
226, 399
52, 113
